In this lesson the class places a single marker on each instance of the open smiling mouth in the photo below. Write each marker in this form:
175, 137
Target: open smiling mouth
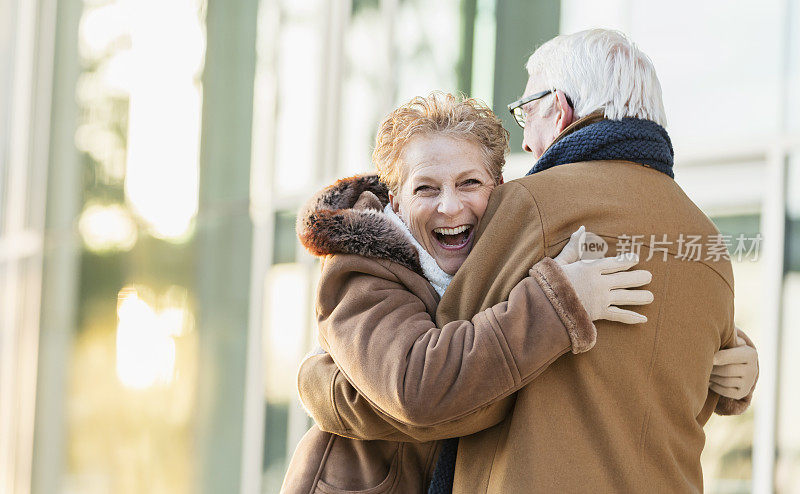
453, 238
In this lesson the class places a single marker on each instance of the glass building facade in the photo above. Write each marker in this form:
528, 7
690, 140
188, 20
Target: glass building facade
154, 300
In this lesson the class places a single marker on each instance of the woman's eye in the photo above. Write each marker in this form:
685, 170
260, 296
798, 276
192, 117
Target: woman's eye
423, 188
471, 181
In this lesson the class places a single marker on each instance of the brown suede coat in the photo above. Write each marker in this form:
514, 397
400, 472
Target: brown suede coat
375, 313
627, 416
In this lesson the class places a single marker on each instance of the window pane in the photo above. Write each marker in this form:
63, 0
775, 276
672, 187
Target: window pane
131, 399
787, 472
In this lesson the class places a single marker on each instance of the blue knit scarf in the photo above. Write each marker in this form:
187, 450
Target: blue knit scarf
444, 472
629, 139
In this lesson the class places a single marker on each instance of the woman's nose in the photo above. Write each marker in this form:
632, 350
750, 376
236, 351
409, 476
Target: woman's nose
450, 203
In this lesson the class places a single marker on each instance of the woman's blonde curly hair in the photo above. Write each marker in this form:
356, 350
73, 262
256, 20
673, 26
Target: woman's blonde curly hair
438, 113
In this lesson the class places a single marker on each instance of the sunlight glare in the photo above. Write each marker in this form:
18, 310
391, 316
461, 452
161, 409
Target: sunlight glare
145, 348
107, 228
167, 48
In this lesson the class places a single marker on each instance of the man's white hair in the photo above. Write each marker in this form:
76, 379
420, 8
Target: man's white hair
600, 69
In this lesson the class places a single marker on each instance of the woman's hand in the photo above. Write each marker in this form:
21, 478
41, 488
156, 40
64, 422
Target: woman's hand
735, 370
572, 251
602, 284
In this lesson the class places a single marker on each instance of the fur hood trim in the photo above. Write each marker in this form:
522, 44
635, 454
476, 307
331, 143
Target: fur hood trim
347, 218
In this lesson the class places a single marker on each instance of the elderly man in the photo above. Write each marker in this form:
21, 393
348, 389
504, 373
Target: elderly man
627, 416
624, 417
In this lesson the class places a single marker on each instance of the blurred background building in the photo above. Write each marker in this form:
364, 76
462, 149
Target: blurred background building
154, 301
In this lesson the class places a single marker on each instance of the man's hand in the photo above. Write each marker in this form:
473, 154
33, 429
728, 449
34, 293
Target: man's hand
735, 370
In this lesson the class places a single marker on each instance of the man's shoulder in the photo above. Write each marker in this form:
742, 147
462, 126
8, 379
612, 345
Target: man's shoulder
516, 186
510, 204
530, 187
514, 195
597, 186
528, 196
526, 182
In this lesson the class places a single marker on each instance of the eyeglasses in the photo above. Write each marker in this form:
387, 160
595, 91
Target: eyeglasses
516, 107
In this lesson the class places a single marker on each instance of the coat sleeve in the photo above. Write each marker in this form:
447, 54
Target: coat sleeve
337, 407
384, 341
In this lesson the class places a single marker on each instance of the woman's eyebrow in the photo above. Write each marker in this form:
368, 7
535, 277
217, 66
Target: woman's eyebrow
471, 173
423, 178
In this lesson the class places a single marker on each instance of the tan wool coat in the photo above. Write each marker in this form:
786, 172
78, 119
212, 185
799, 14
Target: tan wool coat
376, 318
626, 416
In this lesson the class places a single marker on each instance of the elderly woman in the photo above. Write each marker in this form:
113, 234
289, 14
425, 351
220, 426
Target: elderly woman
389, 247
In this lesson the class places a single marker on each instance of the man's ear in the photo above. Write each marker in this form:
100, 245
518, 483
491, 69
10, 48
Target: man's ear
565, 115
395, 203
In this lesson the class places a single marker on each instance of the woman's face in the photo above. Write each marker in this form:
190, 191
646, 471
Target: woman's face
443, 195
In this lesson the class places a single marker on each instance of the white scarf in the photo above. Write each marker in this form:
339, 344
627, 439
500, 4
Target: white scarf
435, 275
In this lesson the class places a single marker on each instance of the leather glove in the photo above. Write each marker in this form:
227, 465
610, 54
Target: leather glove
735, 370
603, 284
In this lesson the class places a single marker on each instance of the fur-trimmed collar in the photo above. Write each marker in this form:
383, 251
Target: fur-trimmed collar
332, 223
